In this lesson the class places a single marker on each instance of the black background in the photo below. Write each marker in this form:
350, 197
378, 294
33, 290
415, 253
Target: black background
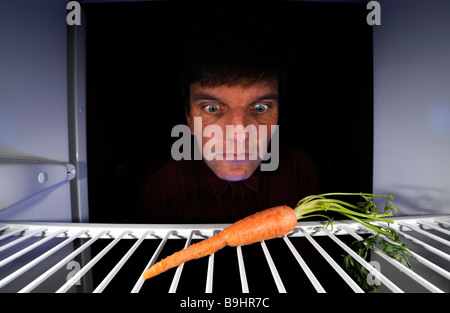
133, 101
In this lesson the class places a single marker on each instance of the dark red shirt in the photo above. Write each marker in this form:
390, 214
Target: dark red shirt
187, 191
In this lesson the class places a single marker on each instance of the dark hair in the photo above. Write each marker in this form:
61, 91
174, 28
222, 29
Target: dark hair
230, 45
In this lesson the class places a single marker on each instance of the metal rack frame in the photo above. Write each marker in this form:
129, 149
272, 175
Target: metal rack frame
429, 233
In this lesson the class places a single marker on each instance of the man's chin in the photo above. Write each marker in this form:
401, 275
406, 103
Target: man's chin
233, 171
234, 177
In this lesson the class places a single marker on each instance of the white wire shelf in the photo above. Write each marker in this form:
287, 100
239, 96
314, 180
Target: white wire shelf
77, 257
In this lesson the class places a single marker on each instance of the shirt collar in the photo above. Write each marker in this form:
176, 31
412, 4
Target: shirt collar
220, 186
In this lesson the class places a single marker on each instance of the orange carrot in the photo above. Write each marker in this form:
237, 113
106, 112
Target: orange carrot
277, 221
267, 224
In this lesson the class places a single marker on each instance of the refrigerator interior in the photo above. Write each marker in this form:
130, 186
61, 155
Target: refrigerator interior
76, 139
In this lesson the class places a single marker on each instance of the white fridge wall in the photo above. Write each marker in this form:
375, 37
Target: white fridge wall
33, 97
412, 105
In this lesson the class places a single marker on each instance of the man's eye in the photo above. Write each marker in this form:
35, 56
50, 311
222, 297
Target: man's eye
211, 108
261, 107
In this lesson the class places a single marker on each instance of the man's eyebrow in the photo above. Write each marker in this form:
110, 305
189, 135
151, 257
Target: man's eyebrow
269, 96
205, 96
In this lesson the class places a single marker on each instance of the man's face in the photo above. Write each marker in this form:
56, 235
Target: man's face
255, 105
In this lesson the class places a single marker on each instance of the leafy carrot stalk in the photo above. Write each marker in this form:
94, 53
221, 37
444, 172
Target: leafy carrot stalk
280, 220
364, 212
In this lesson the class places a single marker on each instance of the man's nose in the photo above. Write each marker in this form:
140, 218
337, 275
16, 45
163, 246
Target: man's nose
239, 119
237, 116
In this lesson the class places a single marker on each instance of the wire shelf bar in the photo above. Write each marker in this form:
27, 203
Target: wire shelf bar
273, 269
354, 286
304, 266
242, 273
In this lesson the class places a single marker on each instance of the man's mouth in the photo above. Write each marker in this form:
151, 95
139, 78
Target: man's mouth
239, 156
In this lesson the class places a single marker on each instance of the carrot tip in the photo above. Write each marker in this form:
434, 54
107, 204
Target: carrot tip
145, 276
